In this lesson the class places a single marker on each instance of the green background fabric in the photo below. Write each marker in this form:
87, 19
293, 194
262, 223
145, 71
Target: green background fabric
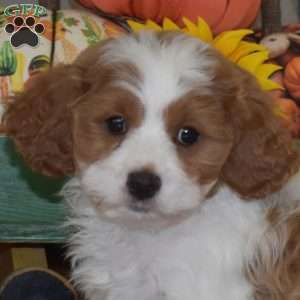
30, 209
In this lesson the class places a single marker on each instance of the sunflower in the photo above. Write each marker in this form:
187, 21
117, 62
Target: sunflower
248, 55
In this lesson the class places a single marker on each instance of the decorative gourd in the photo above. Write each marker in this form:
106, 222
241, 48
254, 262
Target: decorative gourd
289, 114
8, 66
292, 31
286, 109
221, 15
278, 78
38, 63
276, 43
8, 60
292, 78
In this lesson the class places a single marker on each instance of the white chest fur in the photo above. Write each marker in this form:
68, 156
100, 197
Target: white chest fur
200, 258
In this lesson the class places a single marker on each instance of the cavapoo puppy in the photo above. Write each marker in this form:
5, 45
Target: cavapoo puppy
184, 185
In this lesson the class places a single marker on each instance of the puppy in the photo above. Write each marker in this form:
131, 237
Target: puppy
184, 185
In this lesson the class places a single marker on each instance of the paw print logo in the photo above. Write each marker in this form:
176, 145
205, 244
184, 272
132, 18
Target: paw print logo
24, 31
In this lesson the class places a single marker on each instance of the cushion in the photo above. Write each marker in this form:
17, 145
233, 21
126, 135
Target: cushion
30, 208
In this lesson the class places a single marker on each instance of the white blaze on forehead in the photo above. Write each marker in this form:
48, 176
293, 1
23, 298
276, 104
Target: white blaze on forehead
168, 67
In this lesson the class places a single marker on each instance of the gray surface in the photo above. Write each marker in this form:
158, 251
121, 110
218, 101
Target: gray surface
290, 11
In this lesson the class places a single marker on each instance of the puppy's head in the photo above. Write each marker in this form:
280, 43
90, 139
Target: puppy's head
150, 123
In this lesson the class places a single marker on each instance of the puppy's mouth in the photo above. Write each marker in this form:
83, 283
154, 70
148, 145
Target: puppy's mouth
140, 207
139, 214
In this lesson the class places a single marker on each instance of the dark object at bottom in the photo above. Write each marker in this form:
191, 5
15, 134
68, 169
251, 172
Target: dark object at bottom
36, 284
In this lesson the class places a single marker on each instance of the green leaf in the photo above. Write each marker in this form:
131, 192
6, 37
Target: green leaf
91, 36
85, 32
71, 22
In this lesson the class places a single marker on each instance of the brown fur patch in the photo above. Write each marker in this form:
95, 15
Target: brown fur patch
276, 274
204, 159
263, 155
40, 118
90, 128
242, 143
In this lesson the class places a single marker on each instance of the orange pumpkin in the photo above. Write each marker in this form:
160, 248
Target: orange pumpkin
221, 15
289, 114
292, 78
278, 78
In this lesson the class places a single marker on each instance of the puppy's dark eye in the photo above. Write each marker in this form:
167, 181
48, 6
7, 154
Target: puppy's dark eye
187, 136
116, 125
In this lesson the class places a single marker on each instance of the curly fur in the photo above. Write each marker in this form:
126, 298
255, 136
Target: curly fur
200, 234
40, 121
275, 268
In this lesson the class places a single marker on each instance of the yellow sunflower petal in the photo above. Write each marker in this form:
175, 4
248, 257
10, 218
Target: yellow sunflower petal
249, 56
152, 25
191, 28
245, 48
268, 84
205, 31
170, 25
228, 41
201, 30
252, 61
266, 70
136, 26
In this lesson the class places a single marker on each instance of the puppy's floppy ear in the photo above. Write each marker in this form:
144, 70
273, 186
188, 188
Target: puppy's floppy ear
39, 120
263, 156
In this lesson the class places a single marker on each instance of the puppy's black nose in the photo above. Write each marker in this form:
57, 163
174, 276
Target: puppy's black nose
143, 185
